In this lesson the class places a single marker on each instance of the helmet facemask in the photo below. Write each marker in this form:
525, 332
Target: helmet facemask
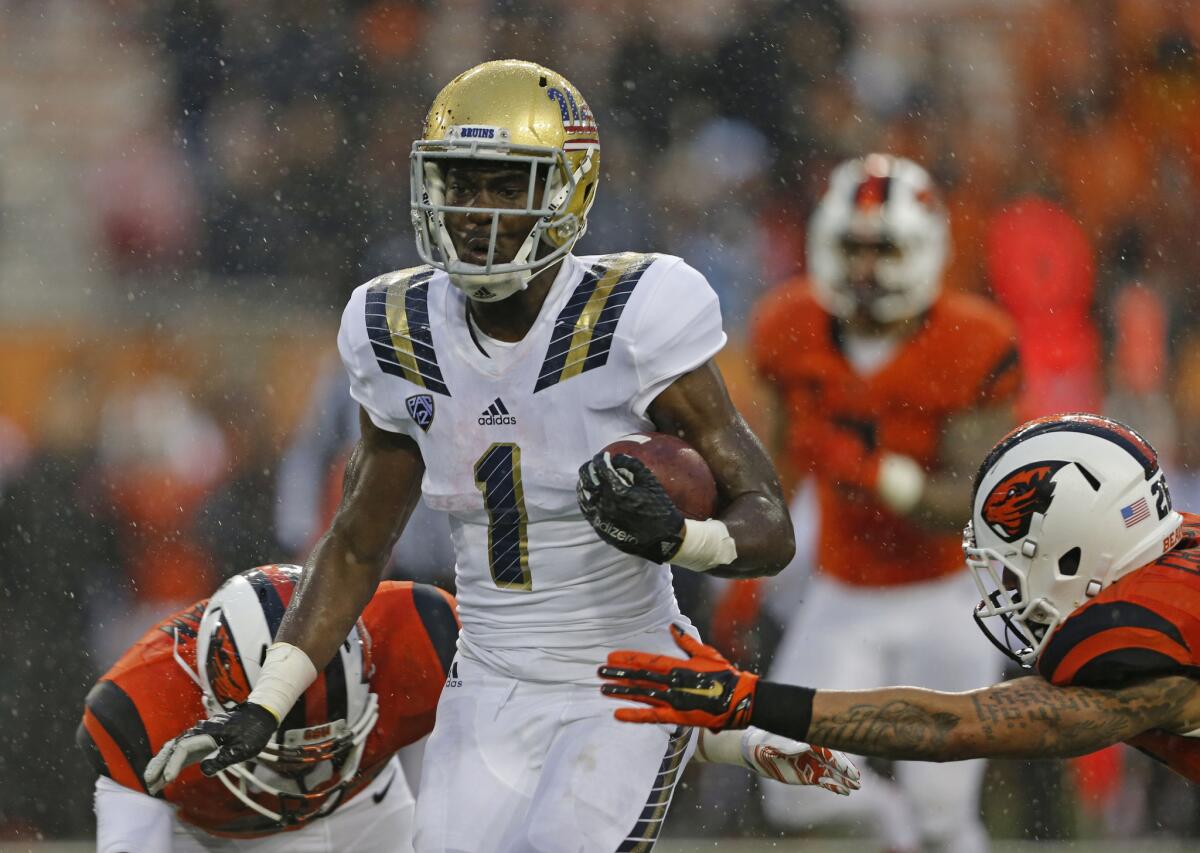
1016, 624
551, 184
309, 767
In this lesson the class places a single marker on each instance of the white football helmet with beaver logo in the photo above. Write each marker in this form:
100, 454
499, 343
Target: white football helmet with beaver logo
314, 756
1063, 507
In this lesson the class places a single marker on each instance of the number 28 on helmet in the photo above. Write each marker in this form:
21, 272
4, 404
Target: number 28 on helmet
1063, 507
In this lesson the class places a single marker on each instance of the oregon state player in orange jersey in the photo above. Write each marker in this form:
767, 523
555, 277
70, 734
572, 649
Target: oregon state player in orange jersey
1088, 575
328, 781
889, 390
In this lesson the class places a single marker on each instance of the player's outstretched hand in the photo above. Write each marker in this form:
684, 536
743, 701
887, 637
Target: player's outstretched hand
702, 690
628, 507
794, 762
236, 736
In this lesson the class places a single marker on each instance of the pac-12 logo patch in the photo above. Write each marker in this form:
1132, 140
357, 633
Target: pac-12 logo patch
1010, 506
420, 409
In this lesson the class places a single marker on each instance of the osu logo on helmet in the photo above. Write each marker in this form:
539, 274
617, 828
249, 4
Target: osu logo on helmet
1010, 506
226, 675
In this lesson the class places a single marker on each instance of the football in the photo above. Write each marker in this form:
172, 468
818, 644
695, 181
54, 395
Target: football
678, 466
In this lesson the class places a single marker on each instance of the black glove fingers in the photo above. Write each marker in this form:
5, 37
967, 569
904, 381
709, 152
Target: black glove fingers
634, 674
633, 691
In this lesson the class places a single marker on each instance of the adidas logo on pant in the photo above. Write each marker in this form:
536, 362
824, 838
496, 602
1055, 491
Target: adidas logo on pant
496, 414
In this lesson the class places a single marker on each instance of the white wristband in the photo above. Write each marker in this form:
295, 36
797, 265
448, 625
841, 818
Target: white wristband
706, 545
900, 483
286, 673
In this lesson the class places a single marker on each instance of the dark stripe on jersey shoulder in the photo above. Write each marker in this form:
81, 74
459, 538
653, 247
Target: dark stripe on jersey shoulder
438, 618
1102, 617
84, 740
564, 329
116, 712
583, 333
397, 322
1120, 667
1007, 362
614, 306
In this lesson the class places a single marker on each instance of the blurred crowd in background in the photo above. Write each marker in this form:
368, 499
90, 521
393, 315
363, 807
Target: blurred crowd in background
189, 189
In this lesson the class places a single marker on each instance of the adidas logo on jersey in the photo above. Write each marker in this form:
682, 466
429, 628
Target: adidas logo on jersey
496, 415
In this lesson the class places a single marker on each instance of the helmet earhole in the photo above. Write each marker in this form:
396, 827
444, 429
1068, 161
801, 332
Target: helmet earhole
1068, 563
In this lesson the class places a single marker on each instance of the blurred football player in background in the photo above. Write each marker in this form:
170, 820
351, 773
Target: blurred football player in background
485, 378
888, 391
328, 780
1088, 575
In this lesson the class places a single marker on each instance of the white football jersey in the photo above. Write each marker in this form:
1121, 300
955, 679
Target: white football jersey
503, 438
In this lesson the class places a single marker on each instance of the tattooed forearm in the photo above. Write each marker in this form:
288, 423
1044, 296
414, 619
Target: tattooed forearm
1033, 717
895, 729
1027, 718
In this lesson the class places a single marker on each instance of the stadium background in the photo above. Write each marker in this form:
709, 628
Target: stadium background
190, 188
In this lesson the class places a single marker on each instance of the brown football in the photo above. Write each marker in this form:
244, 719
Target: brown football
680, 468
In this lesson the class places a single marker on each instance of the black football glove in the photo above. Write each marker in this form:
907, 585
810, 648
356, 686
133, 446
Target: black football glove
237, 736
628, 508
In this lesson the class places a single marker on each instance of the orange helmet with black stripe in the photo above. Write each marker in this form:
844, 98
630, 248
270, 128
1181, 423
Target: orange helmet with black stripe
317, 750
1063, 507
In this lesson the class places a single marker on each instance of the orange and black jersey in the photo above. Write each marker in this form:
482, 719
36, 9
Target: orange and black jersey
1145, 625
961, 356
147, 698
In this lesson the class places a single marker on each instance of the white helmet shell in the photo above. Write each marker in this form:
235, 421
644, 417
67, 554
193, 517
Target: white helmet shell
1063, 507
317, 750
880, 198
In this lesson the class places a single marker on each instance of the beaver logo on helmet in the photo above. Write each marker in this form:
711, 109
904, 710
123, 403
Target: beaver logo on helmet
1010, 506
226, 675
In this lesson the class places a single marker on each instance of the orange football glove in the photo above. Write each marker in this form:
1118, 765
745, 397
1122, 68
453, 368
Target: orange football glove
703, 690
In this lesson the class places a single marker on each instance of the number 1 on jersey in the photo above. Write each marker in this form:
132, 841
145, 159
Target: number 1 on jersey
498, 476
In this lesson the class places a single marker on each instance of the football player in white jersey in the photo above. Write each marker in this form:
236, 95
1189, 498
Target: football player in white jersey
485, 378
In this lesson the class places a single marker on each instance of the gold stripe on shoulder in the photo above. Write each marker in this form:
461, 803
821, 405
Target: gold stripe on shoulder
585, 327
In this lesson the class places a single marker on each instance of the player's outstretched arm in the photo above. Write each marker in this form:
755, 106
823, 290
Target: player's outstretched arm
1024, 718
380, 488
696, 407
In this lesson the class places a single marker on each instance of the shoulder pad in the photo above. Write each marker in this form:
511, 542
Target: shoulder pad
1108, 644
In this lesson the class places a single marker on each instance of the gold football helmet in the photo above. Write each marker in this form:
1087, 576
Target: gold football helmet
507, 111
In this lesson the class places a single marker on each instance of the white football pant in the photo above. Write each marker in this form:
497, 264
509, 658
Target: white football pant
379, 819
536, 767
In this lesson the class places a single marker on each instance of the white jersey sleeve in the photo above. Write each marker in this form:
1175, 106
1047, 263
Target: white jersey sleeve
677, 327
369, 385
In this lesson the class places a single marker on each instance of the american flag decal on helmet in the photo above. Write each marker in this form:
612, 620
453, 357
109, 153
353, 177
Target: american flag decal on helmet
1137, 511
